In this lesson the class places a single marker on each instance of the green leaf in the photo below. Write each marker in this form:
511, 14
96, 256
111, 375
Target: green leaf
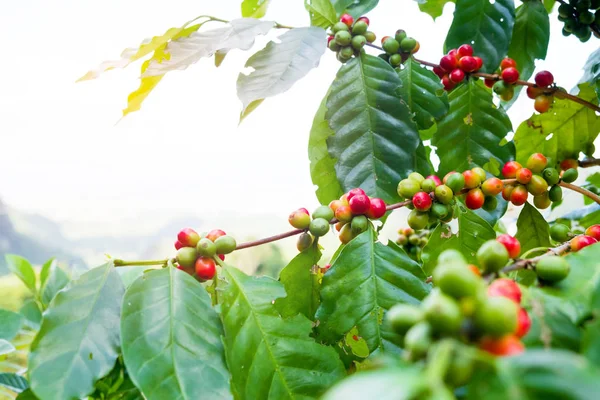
269, 357
365, 280
10, 324
55, 281
26, 395
591, 342
549, 5
441, 239
171, 338
422, 91
6, 347
356, 8
279, 65
591, 71
538, 374
14, 382
485, 25
564, 131
435, 8
375, 138
322, 166
254, 8
532, 229
22, 269
491, 217
594, 179
78, 340
301, 284
321, 13
130, 274
45, 271
470, 135
32, 313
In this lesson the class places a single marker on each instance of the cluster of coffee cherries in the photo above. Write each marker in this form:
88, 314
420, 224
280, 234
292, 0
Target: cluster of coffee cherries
196, 252
535, 178
509, 74
349, 37
539, 93
398, 48
411, 241
581, 18
455, 66
562, 233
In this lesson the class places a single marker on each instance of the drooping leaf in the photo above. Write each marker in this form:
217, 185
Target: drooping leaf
591, 342
375, 138
532, 229
171, 338
10, 324
14, 382
365, 280
562, 132
471, 133
435, 8
322, 13
422, 91
56, 280
22, 269
269, 357
254, 8
356, 8
485, 25
322, 166
6, 347
301, 284
279, 65
78, 341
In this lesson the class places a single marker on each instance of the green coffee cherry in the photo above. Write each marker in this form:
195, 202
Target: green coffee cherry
552, 269
358, 42
334, 46
415, 176
500, 87
186, 256
442, 313
305, 240
408, 44
323, 212
225, 244
496, 316
570, 175
359, 224
460, 371
206, 248
428, 185
439, 211
400, 35
418, 220
490, 203
347, 52
402, 317
542, 201
451, 256
391, 46
555, 193
560, 232
456, 182
395, 60
444, 194
319, 227
418, 339
407, 188
370, 36
359, 28
492, 256
551, 176
456, 280
340, 26
343, 38
537, 185
414, 239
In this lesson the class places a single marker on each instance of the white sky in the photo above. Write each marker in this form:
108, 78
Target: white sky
62, 155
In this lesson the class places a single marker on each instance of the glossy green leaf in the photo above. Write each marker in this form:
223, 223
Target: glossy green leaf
22, 269
375, 138
6, 347
254, 8
365, 280
78, 341
171, 338
356, 8
14, 382
591, 342
538, 374
10, 324
471, 133
532, 229
435, 8
55, 281
279, 65
322, 13
422, 91
301, 284
270, 357
322, 166
562, 132
485, 25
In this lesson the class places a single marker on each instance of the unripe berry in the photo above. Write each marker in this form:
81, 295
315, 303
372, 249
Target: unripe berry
358, 42
383, 39
490, 203
544, 78
508, 94
509, 170
456, 182
395, 60
492, 187
418, 220
492, 256
414, 240
186, 256
407, 188
299, 219
442, 313
560, 232
418, 340
217, 233
542, 201
226, 244
593, 231
347, 19
319, 227
533, 92
340, 26
552, 269
360, 28
440, 211
343, 214
436, 179
519, 195
523, 323
508, 63
205, 268
524, 176
508, 345
496, 316
507, 191
456, 280
472, 179
537, 185
346, 234
343, 38
500, 87
555, 193
407, 231
188, 237
370, 36
480, 172
415, 176
408, 45
510, 75
457, 75
551, 176
505, 287
402, 240
359, 204
335, 204
400, 35
364, 19
579, 242
474, 199
391, 46
377, 208
206, 248
542, 103
338, 226
568, 164
570, 175
359, 224
422, 201
537, 162
467, 64
305, 240
178, 245
512, 245
428, 185
443, 194
323, 212
474, 269
402, 317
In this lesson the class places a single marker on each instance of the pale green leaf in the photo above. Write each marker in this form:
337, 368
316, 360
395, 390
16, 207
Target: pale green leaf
22, 269
322, 13
56, 280
254, 8
6, 347
10, 324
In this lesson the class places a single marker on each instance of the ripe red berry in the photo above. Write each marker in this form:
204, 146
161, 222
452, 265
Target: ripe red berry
454, 53
542, 103
472, 180
508, 62
507, 191
519, 195
188, 237
354, 192
508, 345
457, 75
544, 78
474, 199
205, 268
467, 64
523, 323
465, 50
347, 19
489, 82
221, 256
376, 208
364, 19
509, 170
178, 245
512, 245
593, 231
439, 72
510, 75
359, 204
505, 287
448, 63
533, 92
568, 164
448, 84
422, 201
479, 62
436, 179
492, 186
579, 242
217, 233
524, 176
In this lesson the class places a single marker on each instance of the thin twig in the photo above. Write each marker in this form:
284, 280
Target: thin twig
581, 190
121, 263
522, 264
589, 162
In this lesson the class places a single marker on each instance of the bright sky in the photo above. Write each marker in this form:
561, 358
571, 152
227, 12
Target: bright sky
62, 155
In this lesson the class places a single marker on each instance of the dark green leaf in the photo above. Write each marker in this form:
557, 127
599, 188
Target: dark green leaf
171, 338
78, 340
10, 324
32, 313
356, 8
14, 382
254, 8
435, 8
422, 91
22, 269
485, 25
55, 281
365, 280
269, 357
375, 138
591, 342
470, 134
26, 395
301, 285
532, 229
321, 13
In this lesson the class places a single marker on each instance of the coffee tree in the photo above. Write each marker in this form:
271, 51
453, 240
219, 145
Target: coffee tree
470, 313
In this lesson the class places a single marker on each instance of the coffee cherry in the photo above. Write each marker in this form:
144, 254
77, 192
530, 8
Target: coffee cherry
442, 313
186, 256
448, 63
408, 231
415, 176
439, 71
178, 245
305, 240
510, 75
422, 201
500, 87
507, 63
467, 64
226, 244
363, 19
496, 316
492, 256
205, 268
383, 39
537, 185
206, 248
508, 94
593, 231
551, 176
358, 42
347, 19
428, 185
537, 162
377, 208
519, 195
407, 188
343, 214
217, 233
346, 234
346, 52
568, 164
552, 269
395, 60
479, 62
507, 192
457, 75
508, 345
560, 232
360, 204
400, 35
440, 211
402, 317
319, 227
414, 239
451, 256
579, 242
542, 201
360, 27
391, 46
512, 245
524, 176
447, 83
402, 240
299, 219
555, 193
489, 82
418, 220
460, 370
480, 172
456, 182
464, 50
523, 323
343, 38
474, 199
570, 175
340, 26
492, 187
490, 203
323, 212
436, 179
542, 103
505, 288
456, 280
359, 224
370, 36
544, 78
408, 44
472, 179
418, 340
533, 92
333, 46
335, 204
188, 237
509, 170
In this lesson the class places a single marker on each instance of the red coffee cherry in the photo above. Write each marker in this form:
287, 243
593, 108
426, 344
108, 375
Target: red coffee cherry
479, 62
457, 75
510, 75
376, 208
512, 245
523, 323
366, 21
568, 164
347, 19
474, 199
542, 103
354, 192
579, 242
448, 63
593, 231
510, 169
467, 64
519, 195
422, 201
439, 71
359, 204
505, 287
544, 78
508, 345
448, 84
533, 92
178, 245
508, 63
188, 237
489, 82
217, 233
465, 50
205, 268
524, 176
472, 179
492, 186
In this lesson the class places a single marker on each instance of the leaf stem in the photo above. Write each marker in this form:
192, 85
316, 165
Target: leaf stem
121, 263
581, 190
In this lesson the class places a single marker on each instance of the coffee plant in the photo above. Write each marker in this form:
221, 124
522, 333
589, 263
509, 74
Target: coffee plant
453, 307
